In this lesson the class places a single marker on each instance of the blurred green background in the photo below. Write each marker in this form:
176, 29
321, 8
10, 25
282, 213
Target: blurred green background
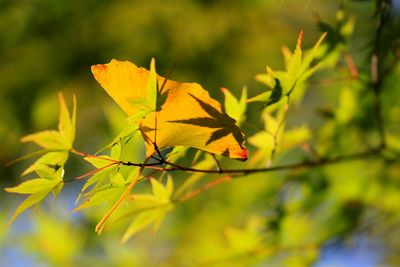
48, 46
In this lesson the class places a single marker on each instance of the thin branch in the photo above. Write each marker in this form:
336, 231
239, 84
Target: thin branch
301, 165
350, 64
86, 155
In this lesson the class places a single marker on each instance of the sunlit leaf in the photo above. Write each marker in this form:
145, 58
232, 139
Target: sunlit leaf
142, 113
294, 65
189, 116
106, 196
125, 134
268, 77
48, 163
136, 204
57, 140
51, 140
57, 189
292, 81
48, 167
152, 88
32, 186
160, 192
99, 161
96, 179
66, 125
263, 97
235, 108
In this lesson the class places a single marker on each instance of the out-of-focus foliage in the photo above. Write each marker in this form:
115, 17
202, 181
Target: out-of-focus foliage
283, 218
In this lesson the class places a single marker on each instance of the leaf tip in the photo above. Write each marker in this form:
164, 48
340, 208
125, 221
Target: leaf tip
224, 90
61, 97
153, 62
99, 228
300, 39
99, 70
243, 154
8, 189
25, 139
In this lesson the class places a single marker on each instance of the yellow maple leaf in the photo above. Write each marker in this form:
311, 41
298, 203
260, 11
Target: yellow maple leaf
188, 115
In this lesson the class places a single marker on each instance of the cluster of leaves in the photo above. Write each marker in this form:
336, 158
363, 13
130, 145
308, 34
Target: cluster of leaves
207, 127
49, 168
170, 118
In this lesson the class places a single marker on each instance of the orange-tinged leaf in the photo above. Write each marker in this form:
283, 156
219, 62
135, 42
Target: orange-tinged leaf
123, 81
188, 117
